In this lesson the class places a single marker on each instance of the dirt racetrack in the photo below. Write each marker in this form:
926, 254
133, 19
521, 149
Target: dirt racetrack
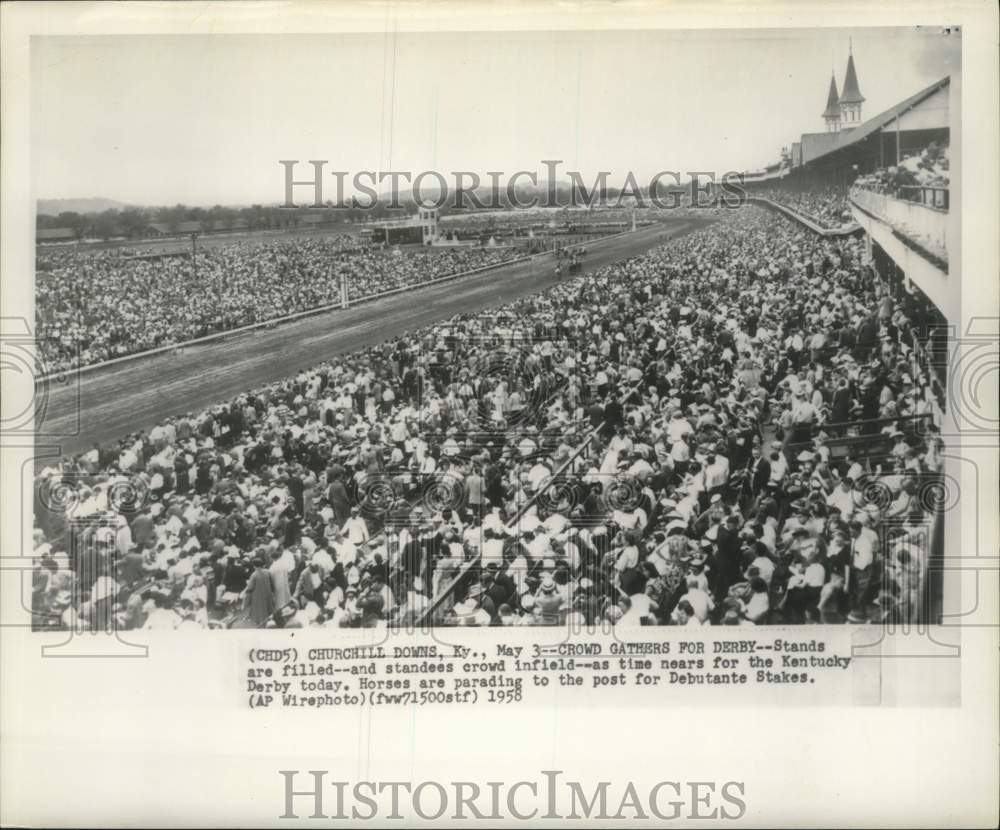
105, 404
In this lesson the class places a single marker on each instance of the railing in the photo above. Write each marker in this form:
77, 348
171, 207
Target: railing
862, 437
855, 426
918, 221
922, 360
938, 198
932, 196
468, 567
555, 478
804, 219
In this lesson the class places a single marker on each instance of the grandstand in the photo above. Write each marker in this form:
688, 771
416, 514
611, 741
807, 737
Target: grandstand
737, 427
675, 457
887, 179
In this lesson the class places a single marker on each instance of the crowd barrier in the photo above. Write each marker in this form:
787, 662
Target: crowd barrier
862, 438
922, 222
932, 196
802, 219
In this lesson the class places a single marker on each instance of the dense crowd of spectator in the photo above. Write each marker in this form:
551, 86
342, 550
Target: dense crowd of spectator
711, 376
826, 206
921, 177
543, 221
97, 306
477, 221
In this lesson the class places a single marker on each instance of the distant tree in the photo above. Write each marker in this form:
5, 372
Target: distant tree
75, 221
174, 216
105, 225
220, 216
133, 222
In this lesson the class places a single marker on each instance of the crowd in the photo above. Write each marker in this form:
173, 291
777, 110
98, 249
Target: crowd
541, 221
435, 476
826, 206
506, 221
97, 306
921, 177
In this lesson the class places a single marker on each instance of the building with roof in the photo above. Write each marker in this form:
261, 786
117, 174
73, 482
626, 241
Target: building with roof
55, 235
838, 157
880, 141
171, 229
421, 228
911, 233
897, 177
913, 230
849, 146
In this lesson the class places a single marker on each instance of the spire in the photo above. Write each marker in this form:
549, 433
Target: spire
852, 94
832, 100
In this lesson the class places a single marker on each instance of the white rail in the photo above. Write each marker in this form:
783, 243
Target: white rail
922, 223
843, 230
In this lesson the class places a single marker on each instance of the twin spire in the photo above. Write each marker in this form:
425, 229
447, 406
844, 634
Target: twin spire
852, 93
843, 111
832, 100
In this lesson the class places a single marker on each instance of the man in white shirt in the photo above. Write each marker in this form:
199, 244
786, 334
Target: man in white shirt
779, 467
322, 558
355, 528
764, 566
678, 427
161, 617
699, 600
842, 497
716, 472
344, 549
864, 543
492, 550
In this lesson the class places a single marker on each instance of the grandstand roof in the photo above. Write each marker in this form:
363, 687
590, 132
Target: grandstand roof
815, 145
815, 142
852, 94
832, 106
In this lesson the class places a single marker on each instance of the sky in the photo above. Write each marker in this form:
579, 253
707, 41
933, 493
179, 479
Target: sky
205, 119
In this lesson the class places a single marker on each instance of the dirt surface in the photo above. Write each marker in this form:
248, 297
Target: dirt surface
106, 404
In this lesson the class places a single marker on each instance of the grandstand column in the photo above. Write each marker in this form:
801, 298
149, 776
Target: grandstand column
343, 290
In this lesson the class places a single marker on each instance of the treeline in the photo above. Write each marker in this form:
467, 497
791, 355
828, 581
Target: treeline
142, 222
137, 222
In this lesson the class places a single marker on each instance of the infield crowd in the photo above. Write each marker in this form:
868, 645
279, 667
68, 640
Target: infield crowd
96, 306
